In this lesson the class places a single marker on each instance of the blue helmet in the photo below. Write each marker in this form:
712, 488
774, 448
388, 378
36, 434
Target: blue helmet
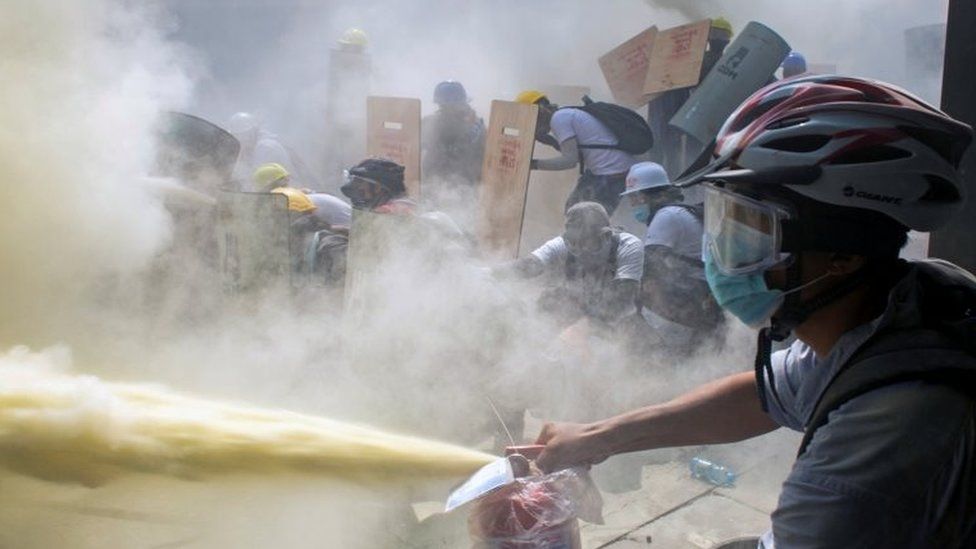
450, 92
794, 64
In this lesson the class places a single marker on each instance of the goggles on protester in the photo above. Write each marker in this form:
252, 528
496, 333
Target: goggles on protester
362, 191
743, 235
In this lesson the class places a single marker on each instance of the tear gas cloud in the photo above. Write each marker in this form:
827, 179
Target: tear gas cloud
85, 246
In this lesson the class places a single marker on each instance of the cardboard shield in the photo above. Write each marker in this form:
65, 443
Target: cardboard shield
625, 68
676, 57
748, 64
505, 176
252, 239
393, 132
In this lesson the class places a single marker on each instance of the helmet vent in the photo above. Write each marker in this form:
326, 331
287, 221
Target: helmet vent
788, 123
752, 115
947, 146
940, 190
871, 154
799, 143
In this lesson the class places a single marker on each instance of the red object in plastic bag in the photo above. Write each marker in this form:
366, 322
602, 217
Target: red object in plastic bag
535, 512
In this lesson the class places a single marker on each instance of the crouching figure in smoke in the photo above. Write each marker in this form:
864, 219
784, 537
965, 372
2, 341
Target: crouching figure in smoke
594, 273
805, 239
675, 298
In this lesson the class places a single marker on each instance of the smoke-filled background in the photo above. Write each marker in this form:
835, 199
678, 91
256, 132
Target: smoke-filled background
93, 279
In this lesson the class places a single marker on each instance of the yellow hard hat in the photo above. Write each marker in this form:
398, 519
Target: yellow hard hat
298, 201
722, 23
354, 37
269, 174
530, 97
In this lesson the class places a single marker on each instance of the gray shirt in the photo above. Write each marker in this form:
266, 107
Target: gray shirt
891, 466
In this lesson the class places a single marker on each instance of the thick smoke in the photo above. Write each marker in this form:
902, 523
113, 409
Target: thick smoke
82, 86
82, 239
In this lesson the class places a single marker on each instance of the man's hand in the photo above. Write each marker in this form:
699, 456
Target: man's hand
568, 445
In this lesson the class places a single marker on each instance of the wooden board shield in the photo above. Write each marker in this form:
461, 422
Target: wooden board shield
747, 65
676, 57
505, 176
625, 68
393, 132
252, 239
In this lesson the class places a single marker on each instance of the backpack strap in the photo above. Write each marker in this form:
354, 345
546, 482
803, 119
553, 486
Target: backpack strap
898, 355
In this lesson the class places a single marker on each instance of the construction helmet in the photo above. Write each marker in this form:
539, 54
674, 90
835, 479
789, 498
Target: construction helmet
530, 97
645, 176
269, 174
845, 141
354, 37
794, 64
241, 123
722, 23
298, 201
450, 92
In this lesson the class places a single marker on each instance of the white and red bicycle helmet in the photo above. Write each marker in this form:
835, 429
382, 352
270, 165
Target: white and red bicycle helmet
849, 142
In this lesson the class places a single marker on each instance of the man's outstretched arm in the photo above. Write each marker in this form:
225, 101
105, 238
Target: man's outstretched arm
726, 410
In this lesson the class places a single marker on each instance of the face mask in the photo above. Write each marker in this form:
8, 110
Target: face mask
642, 213
745, 296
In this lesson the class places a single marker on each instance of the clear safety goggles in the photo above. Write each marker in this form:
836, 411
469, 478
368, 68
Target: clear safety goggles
743, 235
362, 191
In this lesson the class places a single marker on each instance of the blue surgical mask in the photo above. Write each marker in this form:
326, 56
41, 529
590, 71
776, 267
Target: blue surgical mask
642, 213
746, 296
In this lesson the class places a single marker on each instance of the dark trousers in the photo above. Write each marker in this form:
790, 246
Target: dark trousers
603, 189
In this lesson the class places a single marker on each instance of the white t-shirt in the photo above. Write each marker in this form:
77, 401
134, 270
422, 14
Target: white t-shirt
570, 123
592, 281
678, 229
331, 209
630, 257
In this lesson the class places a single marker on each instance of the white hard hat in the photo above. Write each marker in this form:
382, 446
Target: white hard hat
241, 123
644, 176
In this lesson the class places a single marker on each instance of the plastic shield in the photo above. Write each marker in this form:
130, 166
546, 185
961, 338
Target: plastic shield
748, 64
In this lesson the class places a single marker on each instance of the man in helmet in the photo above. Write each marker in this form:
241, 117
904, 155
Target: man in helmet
347, 86
573, 130
814, 185
330, 210
453, 141
674, 294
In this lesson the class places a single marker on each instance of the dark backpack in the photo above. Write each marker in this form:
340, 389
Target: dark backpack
947, 335
633, 134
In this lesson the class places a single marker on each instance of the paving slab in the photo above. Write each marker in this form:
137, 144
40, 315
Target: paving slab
762, 464
703, 523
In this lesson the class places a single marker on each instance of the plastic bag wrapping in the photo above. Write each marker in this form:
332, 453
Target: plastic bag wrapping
536, 511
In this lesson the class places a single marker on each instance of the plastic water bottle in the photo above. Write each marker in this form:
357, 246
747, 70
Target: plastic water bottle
711, 472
